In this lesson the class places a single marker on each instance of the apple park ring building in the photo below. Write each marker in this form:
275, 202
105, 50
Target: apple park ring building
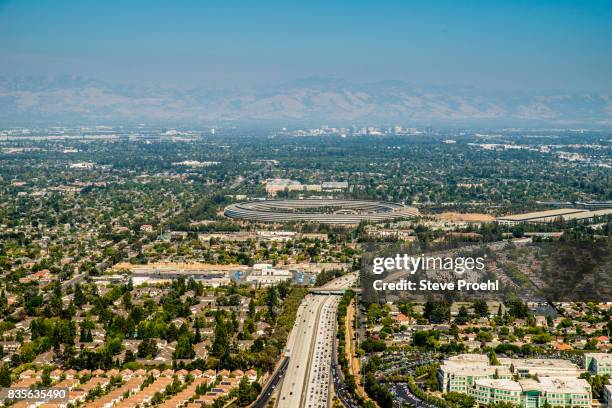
325, 211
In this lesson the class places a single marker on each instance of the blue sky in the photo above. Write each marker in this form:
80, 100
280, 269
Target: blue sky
517, 45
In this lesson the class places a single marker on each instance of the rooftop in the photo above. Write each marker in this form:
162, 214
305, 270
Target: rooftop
504, 384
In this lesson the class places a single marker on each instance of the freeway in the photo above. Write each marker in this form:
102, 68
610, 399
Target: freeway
341, 283
318, 390
300, 349
306, 382
271, 385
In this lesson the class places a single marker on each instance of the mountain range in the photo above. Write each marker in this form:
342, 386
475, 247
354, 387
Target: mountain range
315, 101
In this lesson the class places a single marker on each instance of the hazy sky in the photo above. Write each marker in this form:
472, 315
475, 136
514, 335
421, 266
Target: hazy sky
489, 44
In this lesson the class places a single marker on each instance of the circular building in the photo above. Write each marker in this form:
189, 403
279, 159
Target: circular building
325, 211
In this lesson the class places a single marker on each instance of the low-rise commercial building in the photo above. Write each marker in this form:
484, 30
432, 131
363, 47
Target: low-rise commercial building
560, 214
598, 363
266, 275
512, 380
334, 185
541, 367
459, 373
530, 393
486, 391
608, 395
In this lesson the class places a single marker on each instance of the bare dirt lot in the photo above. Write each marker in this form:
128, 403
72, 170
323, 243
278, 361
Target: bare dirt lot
467, 217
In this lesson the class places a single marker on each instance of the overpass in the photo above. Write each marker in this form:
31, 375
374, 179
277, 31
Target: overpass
324, 291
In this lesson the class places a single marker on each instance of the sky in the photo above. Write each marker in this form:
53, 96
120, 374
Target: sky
507, 45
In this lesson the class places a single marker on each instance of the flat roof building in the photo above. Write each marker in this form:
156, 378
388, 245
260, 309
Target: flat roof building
608, 395
458, 373
486, 391
598, 363
472, 374
530, 393
542, 367
334, 185
562, 214
266, 275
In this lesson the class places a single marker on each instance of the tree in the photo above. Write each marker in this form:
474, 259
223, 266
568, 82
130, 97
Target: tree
425, 338
252, 309
377, 391
56, 304
5, 376
460, 400
272, 301
598, 383
184, 348
3, 301
79, 296
518, 309
370, 345
463, 316
46, 379
220, 344
147, 347
502, 404
129, 357
484, 335
436, 311
85, 335
493, 358
480, 308
244, 392
127, 301
32, 301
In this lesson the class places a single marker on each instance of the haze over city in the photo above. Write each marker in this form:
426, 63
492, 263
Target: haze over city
305, 204
542, 62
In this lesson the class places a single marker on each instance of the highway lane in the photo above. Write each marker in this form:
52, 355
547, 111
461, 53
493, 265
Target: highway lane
268, 390
338, 379
343, 282
299, 351
309, 348
318, 388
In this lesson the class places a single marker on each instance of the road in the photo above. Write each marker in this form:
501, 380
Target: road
299, 349
318, 388
341, 392
271, 385
403, 396
343, 282
74, 280
309, 348
66, 284
253, 175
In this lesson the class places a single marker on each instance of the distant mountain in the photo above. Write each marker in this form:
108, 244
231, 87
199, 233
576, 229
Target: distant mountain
73, 99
